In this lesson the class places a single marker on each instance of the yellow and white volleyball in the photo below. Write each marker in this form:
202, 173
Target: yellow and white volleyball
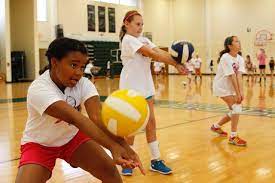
125, 113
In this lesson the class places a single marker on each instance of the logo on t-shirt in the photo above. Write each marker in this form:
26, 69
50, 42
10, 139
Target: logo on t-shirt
71, 101
145, 42
235, 67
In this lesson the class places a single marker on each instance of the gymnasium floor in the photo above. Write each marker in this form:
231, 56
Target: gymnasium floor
184, 116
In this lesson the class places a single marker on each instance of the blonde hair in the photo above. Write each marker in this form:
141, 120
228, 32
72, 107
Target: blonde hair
129, 16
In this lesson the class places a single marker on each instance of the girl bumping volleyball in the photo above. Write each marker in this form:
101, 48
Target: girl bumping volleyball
227, 85
136, 55
56, 128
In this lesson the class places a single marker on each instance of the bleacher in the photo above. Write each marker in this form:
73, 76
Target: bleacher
100, 52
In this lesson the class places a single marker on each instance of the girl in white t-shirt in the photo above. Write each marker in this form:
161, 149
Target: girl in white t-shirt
190, 67
227, 85
56, 128
197, 66
159, 67
136, 55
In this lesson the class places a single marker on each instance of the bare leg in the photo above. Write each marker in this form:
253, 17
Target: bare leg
91, 157
32, 173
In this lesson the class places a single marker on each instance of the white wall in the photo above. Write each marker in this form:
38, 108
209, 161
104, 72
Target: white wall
5, 39
206, 23
46, 30
189, 24
2, 37
171, 20
158, 19
72, 14
233, 17
23, 33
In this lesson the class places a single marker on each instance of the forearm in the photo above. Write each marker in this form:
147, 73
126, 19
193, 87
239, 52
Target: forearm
100, 125
163, 56
120, 140
89, 128
167, 59
233, 79
61, 110
240, 82
93, 107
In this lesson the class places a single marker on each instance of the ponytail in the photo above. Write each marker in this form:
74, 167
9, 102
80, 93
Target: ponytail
228, 41
223, 52
129, 16
44, 69
122, 32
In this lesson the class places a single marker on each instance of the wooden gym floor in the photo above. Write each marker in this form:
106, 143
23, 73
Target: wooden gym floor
184, 115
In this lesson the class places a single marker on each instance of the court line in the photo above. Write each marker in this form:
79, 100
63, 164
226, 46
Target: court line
184, 123
253, 111
13, 100
161, 128
8, 161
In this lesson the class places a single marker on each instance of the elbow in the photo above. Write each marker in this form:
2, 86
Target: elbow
151, 54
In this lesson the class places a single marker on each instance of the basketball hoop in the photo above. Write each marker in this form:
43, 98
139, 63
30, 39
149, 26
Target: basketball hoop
260, 42
262, 37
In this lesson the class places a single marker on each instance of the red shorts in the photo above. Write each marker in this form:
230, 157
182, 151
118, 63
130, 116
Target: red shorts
33, 153
198, 71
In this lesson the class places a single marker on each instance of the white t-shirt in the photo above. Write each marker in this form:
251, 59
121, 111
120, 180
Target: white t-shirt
189, 65
108, 65
158, 66
228, 65
136, 71
88, 68
197, 63
47, 130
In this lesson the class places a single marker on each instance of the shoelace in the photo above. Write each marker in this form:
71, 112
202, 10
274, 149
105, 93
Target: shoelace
161, 163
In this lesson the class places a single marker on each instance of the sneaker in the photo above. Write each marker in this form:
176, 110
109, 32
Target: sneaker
127, 171
159, 166
218, 131
237, 141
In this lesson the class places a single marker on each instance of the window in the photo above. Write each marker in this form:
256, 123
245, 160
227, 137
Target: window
42, 10
110, 1
128, 2
122, 2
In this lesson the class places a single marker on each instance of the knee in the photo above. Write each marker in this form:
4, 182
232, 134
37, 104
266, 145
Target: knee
111, 175
236, 109
39, 174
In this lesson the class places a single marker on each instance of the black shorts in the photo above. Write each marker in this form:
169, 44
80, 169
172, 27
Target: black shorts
261, 66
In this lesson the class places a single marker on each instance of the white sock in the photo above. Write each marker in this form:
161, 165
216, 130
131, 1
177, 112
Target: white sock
233, 134
217, 125
154, 149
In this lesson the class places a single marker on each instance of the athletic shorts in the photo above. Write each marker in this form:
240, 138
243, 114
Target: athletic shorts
261, 66
198, 71
34, 153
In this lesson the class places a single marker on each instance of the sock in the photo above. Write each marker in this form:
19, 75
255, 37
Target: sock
233, 134
154, 149
217, 125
